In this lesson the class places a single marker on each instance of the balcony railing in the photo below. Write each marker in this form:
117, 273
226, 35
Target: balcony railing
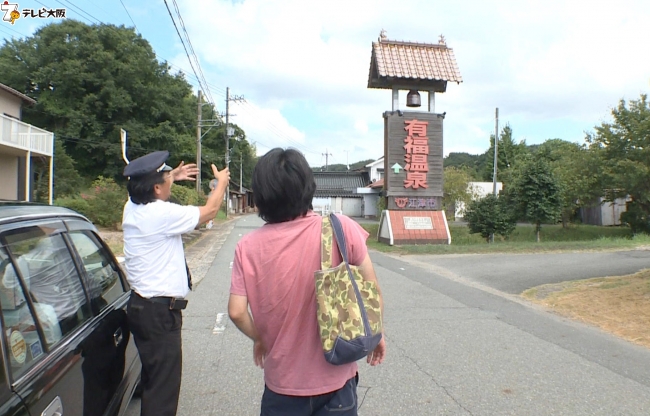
24, 136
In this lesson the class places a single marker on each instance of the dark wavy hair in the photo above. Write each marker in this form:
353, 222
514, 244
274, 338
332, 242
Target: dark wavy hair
141, 188
283, 185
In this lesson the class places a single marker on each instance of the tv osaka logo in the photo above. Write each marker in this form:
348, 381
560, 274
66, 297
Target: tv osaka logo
12, 13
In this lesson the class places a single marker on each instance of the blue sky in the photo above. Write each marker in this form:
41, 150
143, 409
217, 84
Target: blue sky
554, 68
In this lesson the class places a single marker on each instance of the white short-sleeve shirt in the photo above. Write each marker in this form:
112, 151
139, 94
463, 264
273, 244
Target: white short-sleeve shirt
153, 247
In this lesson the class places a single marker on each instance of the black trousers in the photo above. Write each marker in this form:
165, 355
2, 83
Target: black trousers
157, 333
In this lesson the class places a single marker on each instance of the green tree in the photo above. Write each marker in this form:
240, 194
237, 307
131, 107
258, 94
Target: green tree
535, 192
624, 146
361, 164
461, 160
490, 215
68, 181
577, 171
92, 80
456, 188
508, 154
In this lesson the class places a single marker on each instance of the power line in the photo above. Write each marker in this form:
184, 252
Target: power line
129, 14
189, 42
13, 30
108, 13
197, 75
200, 80
144, 150
82, 10
203, 84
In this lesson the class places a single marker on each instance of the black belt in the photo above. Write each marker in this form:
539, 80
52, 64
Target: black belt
173, 303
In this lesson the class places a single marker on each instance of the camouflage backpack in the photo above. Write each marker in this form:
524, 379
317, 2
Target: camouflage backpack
348, 307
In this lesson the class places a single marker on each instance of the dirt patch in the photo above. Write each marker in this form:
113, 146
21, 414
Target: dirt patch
619, 305
113, 239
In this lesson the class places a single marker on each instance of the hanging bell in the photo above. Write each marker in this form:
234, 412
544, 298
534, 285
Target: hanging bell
413, 99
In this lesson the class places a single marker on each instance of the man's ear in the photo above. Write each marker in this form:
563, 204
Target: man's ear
157, 189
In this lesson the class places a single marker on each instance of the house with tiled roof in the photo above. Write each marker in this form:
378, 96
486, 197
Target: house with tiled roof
21, 144
241, 198
338, 192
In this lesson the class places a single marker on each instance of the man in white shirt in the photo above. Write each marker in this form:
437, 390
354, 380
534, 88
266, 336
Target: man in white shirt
157, 271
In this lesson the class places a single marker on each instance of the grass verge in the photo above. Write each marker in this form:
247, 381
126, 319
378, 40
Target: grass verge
619, 305
553, 238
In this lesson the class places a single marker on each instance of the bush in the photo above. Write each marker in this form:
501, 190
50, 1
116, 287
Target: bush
107, 202
186, 196
636, 218
381, 205
76, 203
490, 215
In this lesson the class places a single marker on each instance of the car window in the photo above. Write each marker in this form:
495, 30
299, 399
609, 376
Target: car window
24, 345
103, 280
50, 278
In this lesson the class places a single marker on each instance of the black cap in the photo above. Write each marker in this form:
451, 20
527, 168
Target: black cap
150, 163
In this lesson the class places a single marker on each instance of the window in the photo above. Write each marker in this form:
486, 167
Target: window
103, 281
21, 337
50, 278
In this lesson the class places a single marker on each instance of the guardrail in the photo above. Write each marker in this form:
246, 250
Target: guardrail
15, 133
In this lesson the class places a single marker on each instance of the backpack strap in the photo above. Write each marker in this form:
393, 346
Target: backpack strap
326, 253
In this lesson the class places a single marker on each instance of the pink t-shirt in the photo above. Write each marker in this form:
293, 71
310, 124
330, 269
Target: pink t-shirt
274, 268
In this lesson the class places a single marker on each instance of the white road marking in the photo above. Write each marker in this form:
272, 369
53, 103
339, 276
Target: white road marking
219, 324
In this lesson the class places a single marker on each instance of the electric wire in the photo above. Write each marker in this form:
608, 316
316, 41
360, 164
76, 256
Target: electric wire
202, 82
129, 14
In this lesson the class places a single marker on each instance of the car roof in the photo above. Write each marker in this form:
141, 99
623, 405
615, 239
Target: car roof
14, 210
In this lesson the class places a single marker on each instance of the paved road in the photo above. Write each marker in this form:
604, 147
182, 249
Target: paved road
460, 343
514, 273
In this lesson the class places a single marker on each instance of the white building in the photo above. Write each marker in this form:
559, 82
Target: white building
19, 143
478, 190
376, 169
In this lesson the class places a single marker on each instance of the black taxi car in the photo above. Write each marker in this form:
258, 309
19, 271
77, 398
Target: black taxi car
66, 347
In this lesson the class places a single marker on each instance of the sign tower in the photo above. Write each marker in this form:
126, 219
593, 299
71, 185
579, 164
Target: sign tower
413, 144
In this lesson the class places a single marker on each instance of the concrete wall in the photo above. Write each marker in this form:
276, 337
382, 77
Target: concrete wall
352, 207
370, 205
10, 104
9, 175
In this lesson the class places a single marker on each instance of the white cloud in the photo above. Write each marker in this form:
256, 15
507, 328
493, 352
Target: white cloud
555, 64
264, 123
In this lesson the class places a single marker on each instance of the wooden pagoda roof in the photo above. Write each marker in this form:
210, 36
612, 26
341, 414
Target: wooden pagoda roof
410, 65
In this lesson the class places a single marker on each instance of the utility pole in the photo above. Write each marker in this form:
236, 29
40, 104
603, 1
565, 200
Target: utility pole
496, 158
326, 154
198, 145
496, 148
227, 150
241, 172
229, 132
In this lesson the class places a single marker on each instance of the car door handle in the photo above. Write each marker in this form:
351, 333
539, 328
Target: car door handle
54, 409
117, 337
